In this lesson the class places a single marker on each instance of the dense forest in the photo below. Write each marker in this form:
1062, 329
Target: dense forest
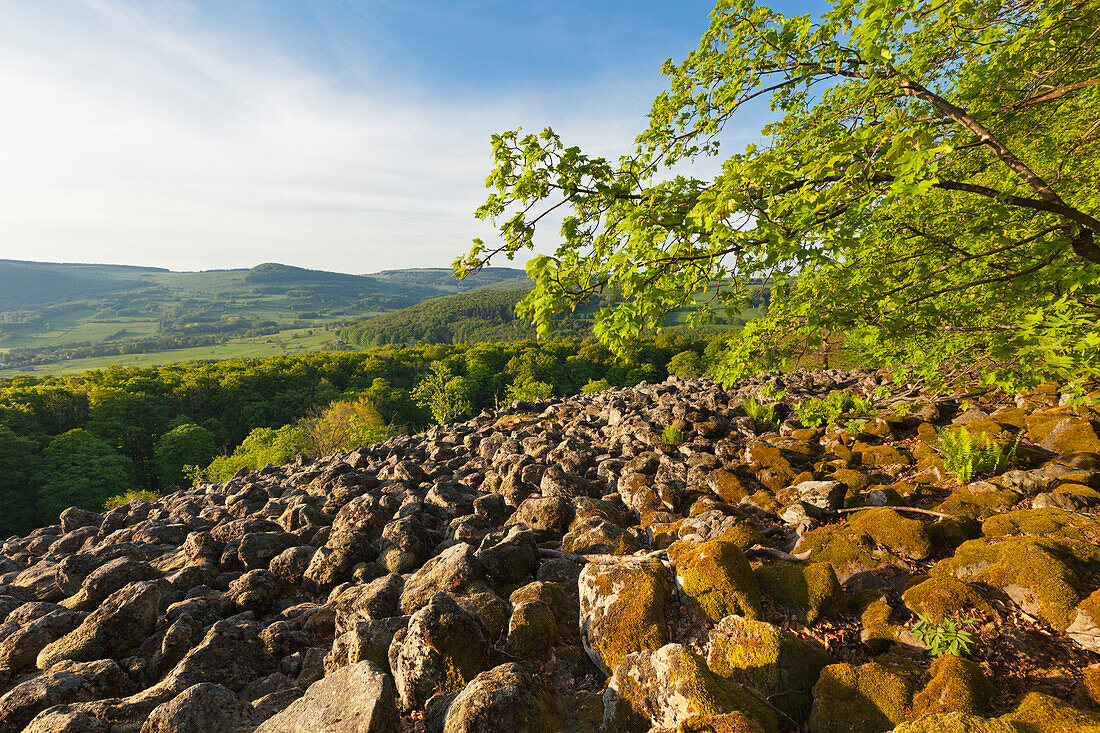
78, 440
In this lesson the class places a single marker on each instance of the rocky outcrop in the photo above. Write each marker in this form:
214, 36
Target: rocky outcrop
560, 566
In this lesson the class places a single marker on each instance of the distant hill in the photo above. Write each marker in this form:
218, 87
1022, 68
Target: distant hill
51, 311
483, 315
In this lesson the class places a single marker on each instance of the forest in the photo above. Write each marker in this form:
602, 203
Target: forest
81, 439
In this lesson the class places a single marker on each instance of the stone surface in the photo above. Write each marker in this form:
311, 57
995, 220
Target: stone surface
356, 699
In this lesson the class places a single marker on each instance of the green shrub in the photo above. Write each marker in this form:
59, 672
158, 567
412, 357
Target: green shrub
529, 391
950, 637
117, 501
671, 435
815, 411
595, 385
760, 413
966, 454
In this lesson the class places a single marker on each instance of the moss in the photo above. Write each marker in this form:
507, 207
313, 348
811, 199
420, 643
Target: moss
553, 595
1039, 713
965, 503
957, 723
765, 501
626, 610
956, 685
1085, 492
715, 580
868, 540
532, 630
880, 455
942, 597
664, 534
768, 659
1088, 692
811, 589
1047, 522
735, 722
1034, 573
878, 627
854, 480
727, 485
872, 698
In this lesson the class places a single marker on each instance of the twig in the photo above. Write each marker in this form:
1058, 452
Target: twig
762, 550
929, 512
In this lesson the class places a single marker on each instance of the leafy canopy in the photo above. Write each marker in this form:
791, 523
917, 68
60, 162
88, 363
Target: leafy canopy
928, 190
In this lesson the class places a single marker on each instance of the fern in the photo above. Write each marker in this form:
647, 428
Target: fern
824, 411
760, 413
966, 454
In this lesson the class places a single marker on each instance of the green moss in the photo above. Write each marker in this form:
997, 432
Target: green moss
1034, 573
1039, 713
1046, 523
1088, 693
854, 480
630, 599
879, 630
905, 537
768, 659
715, 580
811, 588
532, 630
735, 722
727, 485
956, 685
868, 540
942, 597
872, 698
957, 723
964, 503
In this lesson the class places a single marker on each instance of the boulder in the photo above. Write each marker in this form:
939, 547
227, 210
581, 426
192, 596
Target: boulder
622, 610
505, 698
67, 682
456, 571
715, 580
122, 622
443, 648
872, 698
356, 699
203, 707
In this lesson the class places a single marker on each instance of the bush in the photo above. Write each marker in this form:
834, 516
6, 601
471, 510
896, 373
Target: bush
595, 385
529, 391
116, 501
824, 411
966, 454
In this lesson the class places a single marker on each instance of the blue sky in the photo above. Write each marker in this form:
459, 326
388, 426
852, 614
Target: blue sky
348, 135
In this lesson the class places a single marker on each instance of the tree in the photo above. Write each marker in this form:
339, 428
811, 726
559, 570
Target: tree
187, 445
345, 425
19, 459
928, 189
445, 395
83, 471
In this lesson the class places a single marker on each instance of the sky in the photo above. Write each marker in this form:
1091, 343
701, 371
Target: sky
345, 135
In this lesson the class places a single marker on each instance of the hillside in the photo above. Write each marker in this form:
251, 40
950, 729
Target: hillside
50, 312
487, 315
562, 566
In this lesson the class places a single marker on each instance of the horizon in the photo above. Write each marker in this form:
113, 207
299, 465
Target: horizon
348, 136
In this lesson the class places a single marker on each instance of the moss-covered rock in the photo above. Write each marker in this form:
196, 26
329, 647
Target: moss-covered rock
955, 685
768, 659
532, 630
622, 610
880, 455
977, 501
735, 722
1039, 713
872, 698
1034, 573
867, 540
727, 485
1088, 692
597, 536
1085, 627
1045, 523
1072, 435
883, 626
715, 580
957, 723
812, 588
503, 698
667, 687
944, 596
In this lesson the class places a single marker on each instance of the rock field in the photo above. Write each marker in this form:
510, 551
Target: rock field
559, 567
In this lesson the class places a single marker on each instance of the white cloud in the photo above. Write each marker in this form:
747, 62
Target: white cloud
130, 134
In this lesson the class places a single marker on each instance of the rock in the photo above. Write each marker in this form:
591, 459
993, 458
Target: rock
333, 563
1072, 435
203, 707
768, 659
1085, 627
532, 630
597, 536
956, 723
664, 688
68, 682
254, 591
714, 579
290, 565
73, 518
549, 517
869, 699
367, 641
956, 685
1046, 714
65, 719
505, 698
107, 579
812, 588
456, 570
509, 556
29, 635
231, 654
443, 649
122, 622
356, 699
819, 498
259, 549
622, 610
